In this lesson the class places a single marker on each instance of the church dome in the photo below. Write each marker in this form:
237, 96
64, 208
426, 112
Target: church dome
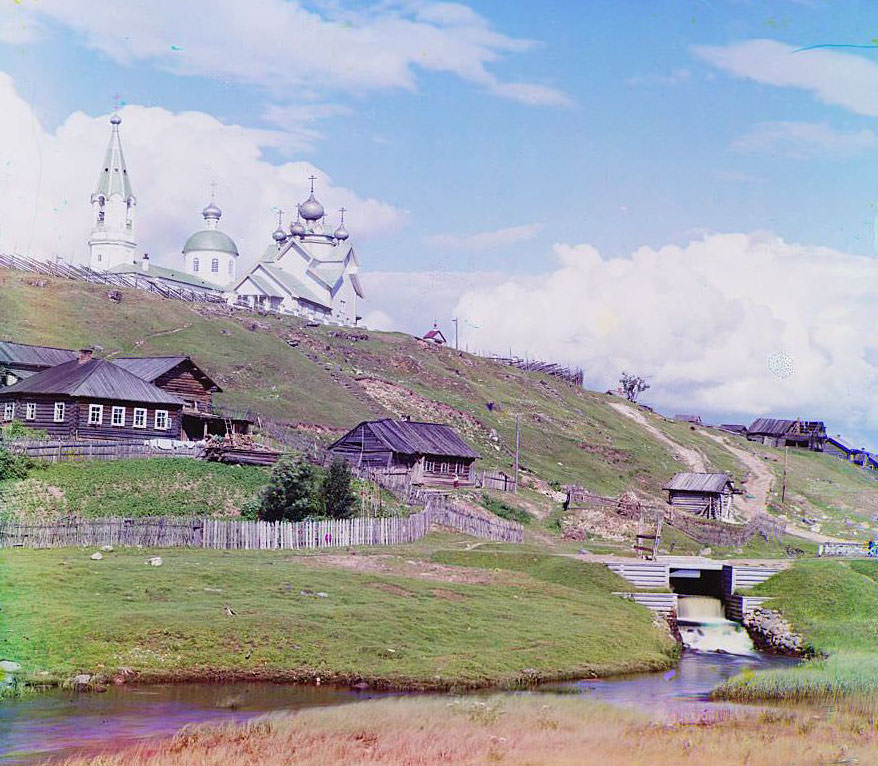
341, 233
279, 235
311, 209
297, 229
115, 119
212, 211
211, 239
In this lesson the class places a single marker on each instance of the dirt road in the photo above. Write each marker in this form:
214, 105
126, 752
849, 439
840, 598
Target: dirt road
691, 457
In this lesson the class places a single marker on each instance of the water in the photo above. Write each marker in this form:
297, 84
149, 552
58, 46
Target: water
61, 723
704, 628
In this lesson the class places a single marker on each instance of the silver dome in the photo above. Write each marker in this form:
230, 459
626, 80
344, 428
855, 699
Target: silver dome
212, 211
115, 119
297, 228
341, 233
279, 235
311, 209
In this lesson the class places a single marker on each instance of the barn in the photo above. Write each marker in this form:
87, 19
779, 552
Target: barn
92, 399
431, 453
181, 376
704, 494
777, 432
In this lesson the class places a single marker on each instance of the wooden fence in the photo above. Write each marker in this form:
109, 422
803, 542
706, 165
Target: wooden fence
234, 534
497, 480
65, 451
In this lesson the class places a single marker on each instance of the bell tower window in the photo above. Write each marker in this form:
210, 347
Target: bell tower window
195, 265
214, 266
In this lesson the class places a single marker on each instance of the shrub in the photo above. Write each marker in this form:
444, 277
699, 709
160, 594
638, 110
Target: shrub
336, 495
506, 511
290, 492
18, 430
13, 466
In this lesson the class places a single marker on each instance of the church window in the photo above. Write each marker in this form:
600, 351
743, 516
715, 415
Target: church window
100, 216
100, 257
214, 266
195, 264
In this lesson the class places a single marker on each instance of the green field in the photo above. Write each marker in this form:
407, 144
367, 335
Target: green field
834, 605
138, 487
381, 619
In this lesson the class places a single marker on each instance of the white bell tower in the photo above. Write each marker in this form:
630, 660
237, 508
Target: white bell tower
112, 240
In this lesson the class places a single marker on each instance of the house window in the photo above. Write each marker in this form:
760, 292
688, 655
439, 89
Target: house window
195, 265
430, 466
214, 266
139, 418
30, 411
161, 420
118, 416
9, 411
95, 414
59, 412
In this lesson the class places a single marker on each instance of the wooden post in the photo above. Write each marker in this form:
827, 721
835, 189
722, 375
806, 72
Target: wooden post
517, 443
783, 487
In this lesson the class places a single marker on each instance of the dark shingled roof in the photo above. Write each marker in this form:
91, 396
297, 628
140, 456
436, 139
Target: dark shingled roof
34, 356
412, 438
151, 368
96, 379
699, 482
770, 426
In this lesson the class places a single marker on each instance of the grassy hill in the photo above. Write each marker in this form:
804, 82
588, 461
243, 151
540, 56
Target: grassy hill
323, 380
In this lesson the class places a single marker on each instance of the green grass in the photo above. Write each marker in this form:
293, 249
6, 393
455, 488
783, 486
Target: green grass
504, 510
154, 487
834, 605
65, 614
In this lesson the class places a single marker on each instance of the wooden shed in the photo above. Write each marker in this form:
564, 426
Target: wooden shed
92, 399
181, 376
431, 453
704, 494
778, 432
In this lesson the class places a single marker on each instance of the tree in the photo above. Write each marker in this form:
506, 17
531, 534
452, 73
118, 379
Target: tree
336, 495
632, 386
289, 494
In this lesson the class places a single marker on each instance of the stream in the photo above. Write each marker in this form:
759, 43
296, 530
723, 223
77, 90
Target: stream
58, 724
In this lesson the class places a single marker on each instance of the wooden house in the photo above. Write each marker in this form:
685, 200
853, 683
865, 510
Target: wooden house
704, 494
92, 399
21, 360
180, 376
734, 428
694, 420
776, 432
431, 453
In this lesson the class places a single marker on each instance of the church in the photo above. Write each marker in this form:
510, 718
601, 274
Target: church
305, 271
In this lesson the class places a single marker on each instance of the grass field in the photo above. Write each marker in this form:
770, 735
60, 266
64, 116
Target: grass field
524, 730
834, 604
384, 618
154, 487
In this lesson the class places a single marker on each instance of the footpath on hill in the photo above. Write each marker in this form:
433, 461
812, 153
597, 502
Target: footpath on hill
691, 457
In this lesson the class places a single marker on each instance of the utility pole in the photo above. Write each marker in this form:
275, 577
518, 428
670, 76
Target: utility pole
456, 322
783, 487
517, 443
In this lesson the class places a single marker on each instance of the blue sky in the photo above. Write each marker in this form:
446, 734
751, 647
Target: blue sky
493, 154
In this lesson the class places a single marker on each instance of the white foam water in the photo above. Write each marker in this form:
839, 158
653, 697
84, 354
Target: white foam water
704, 628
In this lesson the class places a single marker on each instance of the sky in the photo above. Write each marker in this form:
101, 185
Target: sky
685, 190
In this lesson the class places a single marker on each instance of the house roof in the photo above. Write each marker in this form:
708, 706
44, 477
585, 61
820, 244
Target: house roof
839, 444
295, 286
435, 334
34, 356
699, 482
413, 438
97, 378
770, 426
149, 368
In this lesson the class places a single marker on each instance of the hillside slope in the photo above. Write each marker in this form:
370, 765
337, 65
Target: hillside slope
323, 380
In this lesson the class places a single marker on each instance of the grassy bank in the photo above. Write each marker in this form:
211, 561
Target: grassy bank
535, 730
834, 604
154, 487
388, 620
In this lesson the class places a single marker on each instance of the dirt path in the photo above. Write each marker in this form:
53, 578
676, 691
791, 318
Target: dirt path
691, 457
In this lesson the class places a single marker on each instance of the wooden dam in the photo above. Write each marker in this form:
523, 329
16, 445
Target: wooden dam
693, 576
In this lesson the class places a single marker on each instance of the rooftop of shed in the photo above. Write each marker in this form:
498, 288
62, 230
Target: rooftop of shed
413, 438
699, 482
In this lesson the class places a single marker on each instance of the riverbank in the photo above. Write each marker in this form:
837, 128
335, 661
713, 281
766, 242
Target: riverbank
389, 620
834, 606
514, 730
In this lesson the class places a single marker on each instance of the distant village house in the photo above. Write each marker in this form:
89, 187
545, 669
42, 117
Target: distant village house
21, 360
431, 453
775, 432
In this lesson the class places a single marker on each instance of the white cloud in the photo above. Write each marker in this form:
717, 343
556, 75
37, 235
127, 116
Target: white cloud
297, 120
804, 140
841, 79
705, 322
486, 240
172, 158
282, 45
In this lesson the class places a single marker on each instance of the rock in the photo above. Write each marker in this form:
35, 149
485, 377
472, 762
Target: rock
81, 681
107, 548
96, 556
155, 561
8, 666
321, 594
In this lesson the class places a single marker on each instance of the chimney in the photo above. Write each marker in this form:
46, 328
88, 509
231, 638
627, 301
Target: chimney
144, 264
85, 355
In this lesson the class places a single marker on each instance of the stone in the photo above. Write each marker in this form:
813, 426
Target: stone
8, 666
96, 556
81, 681
155, 561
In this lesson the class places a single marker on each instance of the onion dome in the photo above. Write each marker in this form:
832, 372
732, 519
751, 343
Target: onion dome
279, 235
115, 119
212, 212
341, 233
297, 229
311, 209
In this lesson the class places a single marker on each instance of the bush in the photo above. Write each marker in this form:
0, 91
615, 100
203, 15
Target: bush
336, 495
13, 466
290, 492
18, 430
506, 511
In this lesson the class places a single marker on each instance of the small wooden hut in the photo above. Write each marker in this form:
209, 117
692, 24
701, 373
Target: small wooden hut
430, 453
704, 494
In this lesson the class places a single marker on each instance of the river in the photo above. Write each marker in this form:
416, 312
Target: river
58, 723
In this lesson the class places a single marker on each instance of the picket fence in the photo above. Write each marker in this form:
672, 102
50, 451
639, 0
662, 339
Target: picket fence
234, 534
67, 451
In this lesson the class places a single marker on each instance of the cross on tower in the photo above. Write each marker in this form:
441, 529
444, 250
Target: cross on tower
280, 218
212, 190
312, 179
342, 210
116, 102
